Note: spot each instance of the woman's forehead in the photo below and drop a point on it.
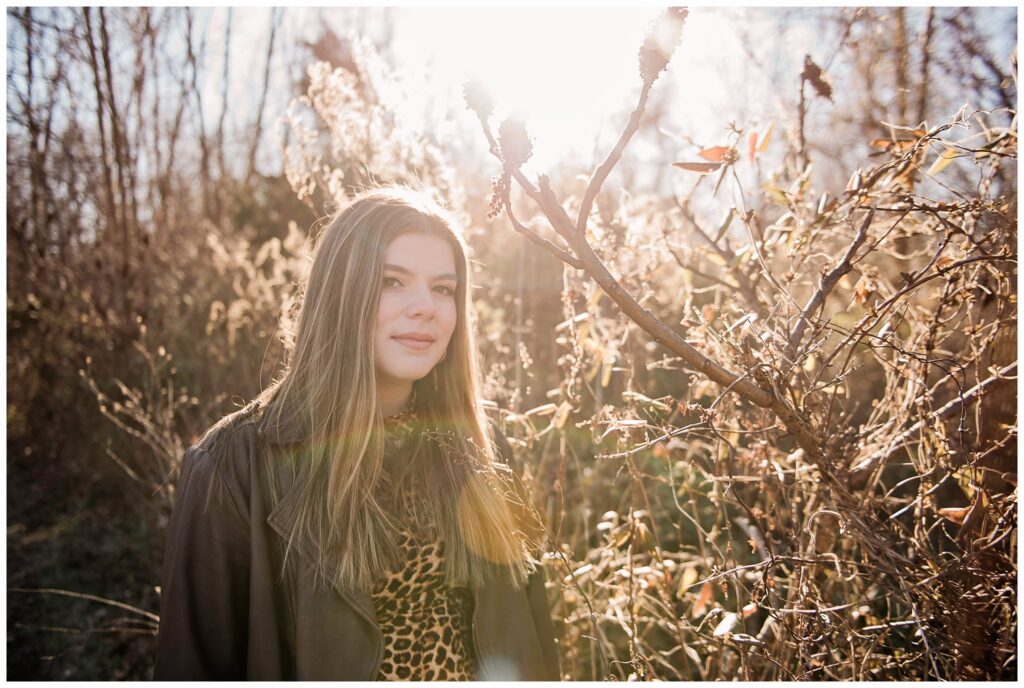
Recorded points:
(416, 253)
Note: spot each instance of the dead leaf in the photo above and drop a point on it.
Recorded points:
(543, 410)
(715, 153)
(813, 74)
(865, 287)
(892, 146)
(855, 181)
(974, 517)
(688, 578)
(701, 167)
(707, 591)
(727, 625)
(944, 160)
(563, 414)
(766, 137)
(621, 536)
(956, 514)
(775, 193)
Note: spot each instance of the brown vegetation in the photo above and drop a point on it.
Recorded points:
(779, 445)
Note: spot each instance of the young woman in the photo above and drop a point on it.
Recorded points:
(356, 521)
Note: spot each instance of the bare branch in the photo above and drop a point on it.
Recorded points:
(862, 469)
(825, 288)
(602, 172)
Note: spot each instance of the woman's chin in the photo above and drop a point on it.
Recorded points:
(411, 373)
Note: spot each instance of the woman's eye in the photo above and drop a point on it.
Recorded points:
(391, 282)
(446, 290)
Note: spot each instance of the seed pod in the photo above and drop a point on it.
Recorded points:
(478, 98)
(662, 38)
(514, 142)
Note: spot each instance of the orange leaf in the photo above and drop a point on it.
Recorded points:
(702, 167)
(700, 606)
(714, 154)
(955, 514)
(766, 137)
(752, 146)
(893, 145)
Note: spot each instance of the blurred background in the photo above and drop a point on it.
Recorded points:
(167, 171)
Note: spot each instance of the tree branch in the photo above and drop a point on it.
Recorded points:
(826, 287)
(549, 246)
(860, 472)
(602, 172)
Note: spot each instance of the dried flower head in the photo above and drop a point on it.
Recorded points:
(499, 189)
(812, 73)
(514, 142)
(478, 98)
(662, 38)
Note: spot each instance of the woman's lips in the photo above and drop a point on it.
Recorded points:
(414, 344)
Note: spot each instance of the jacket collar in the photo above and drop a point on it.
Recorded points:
(275, 435)
(280, 519)
(299, 435)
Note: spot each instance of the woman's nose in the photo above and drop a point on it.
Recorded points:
(421, 303)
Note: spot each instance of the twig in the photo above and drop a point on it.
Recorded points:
(825, 288)
(860, 471)
(602, 172)
(91, 598)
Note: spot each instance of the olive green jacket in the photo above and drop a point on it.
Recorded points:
(226, 613)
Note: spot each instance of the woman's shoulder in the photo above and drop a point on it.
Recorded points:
(222, 455)
(237, 427)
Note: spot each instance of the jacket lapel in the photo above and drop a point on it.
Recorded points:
(281, 471)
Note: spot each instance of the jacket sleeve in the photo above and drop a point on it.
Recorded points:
(205, 583)
(535, 586)
(541, 612)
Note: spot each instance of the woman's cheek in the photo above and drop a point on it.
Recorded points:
(451, 317)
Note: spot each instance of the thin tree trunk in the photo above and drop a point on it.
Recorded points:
(926, 43)
(44, 157)
(251, 166)
(121, 157)
(204, 146)
(155, 179)
(136, 145)
(108, 179)
(35, 213)
(224, 96)
(902, 82)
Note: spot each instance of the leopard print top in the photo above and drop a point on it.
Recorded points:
(427, 624)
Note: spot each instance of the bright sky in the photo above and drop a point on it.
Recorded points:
(571, 72)
(563, 69)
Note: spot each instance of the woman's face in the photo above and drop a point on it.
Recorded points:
(417, 311)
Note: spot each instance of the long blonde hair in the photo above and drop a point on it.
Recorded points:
(328, 397)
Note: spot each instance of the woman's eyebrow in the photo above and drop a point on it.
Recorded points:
(404, 271)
